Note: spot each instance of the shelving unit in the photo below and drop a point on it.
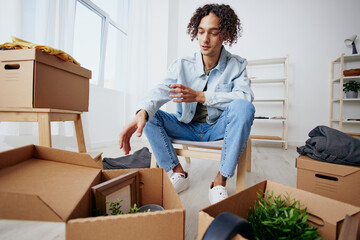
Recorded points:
(270, 83)
(344, 112)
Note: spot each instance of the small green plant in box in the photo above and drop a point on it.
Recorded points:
(274, 217)
(115, 209)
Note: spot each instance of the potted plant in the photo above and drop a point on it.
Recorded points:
(278, 217)
(351, 89)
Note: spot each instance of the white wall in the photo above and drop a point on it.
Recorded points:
(311, 32)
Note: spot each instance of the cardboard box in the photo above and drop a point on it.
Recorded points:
(30, 78)
(45, 184)
(336, 181)
(326, 213)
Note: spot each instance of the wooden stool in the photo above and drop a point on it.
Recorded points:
(207, 152)
(44, 116)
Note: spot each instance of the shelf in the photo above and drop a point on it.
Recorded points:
(352, 122)
(344, 112)
(347, 79)
(349, 58)
(349, 122)
(269, 103)
(273, 80)
(347, 99)
(267, 61)
(270, 100)
(266, 138)
(270, 119)
(351, 99)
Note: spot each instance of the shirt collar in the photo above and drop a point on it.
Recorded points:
(220, 65)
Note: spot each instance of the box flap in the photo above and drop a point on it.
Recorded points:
(57, 155)
(317, 205)
(304, 162)
(61, 186)
(15, 156)
(238, 203)
(326, 213)
(16, 206)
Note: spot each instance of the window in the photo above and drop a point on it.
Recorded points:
(87, 40)
(100, 40)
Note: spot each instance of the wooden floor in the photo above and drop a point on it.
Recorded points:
(269, 162)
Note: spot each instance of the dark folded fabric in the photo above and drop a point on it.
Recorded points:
(139, 159)
(331, 145)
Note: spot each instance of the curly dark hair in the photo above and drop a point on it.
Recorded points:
(230, 25)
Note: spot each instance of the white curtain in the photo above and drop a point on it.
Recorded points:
(40, 22)
(139, 44)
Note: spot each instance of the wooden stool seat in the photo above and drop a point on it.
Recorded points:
(44, 116)
(244, 162)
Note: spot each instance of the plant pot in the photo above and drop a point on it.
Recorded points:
(152, 207)
(351, 94)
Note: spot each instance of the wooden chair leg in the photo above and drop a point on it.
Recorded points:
(153, 163)
(187, 159)
(248, 155)
(244, 160)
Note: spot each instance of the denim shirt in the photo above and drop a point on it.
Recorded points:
(226, 82)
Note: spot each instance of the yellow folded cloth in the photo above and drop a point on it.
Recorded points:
(18, 43)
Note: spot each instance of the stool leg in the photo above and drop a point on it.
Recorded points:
(153, 163)
(241, 170)
(248, 155)
(187, 159)
(80, 134)
(44, 129)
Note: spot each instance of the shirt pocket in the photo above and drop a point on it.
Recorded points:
(224, 87)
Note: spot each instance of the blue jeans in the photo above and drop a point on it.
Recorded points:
(233, 126)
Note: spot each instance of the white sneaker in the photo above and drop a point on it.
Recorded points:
(217, 193)
(180, 181)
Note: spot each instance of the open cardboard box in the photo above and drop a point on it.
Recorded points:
(45, 184)
(325, 213)
(336, 181)
(30, 78)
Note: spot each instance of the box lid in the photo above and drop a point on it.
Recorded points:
(17, 155)
(40, 56)
(318, 206)
(304, 162)
(40, 183)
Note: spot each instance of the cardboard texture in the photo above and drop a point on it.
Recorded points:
(325, 213)
(156, 188)
(336, 181)
(45, 184)
(30, 78)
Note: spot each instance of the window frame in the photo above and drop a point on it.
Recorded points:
(106, 20)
